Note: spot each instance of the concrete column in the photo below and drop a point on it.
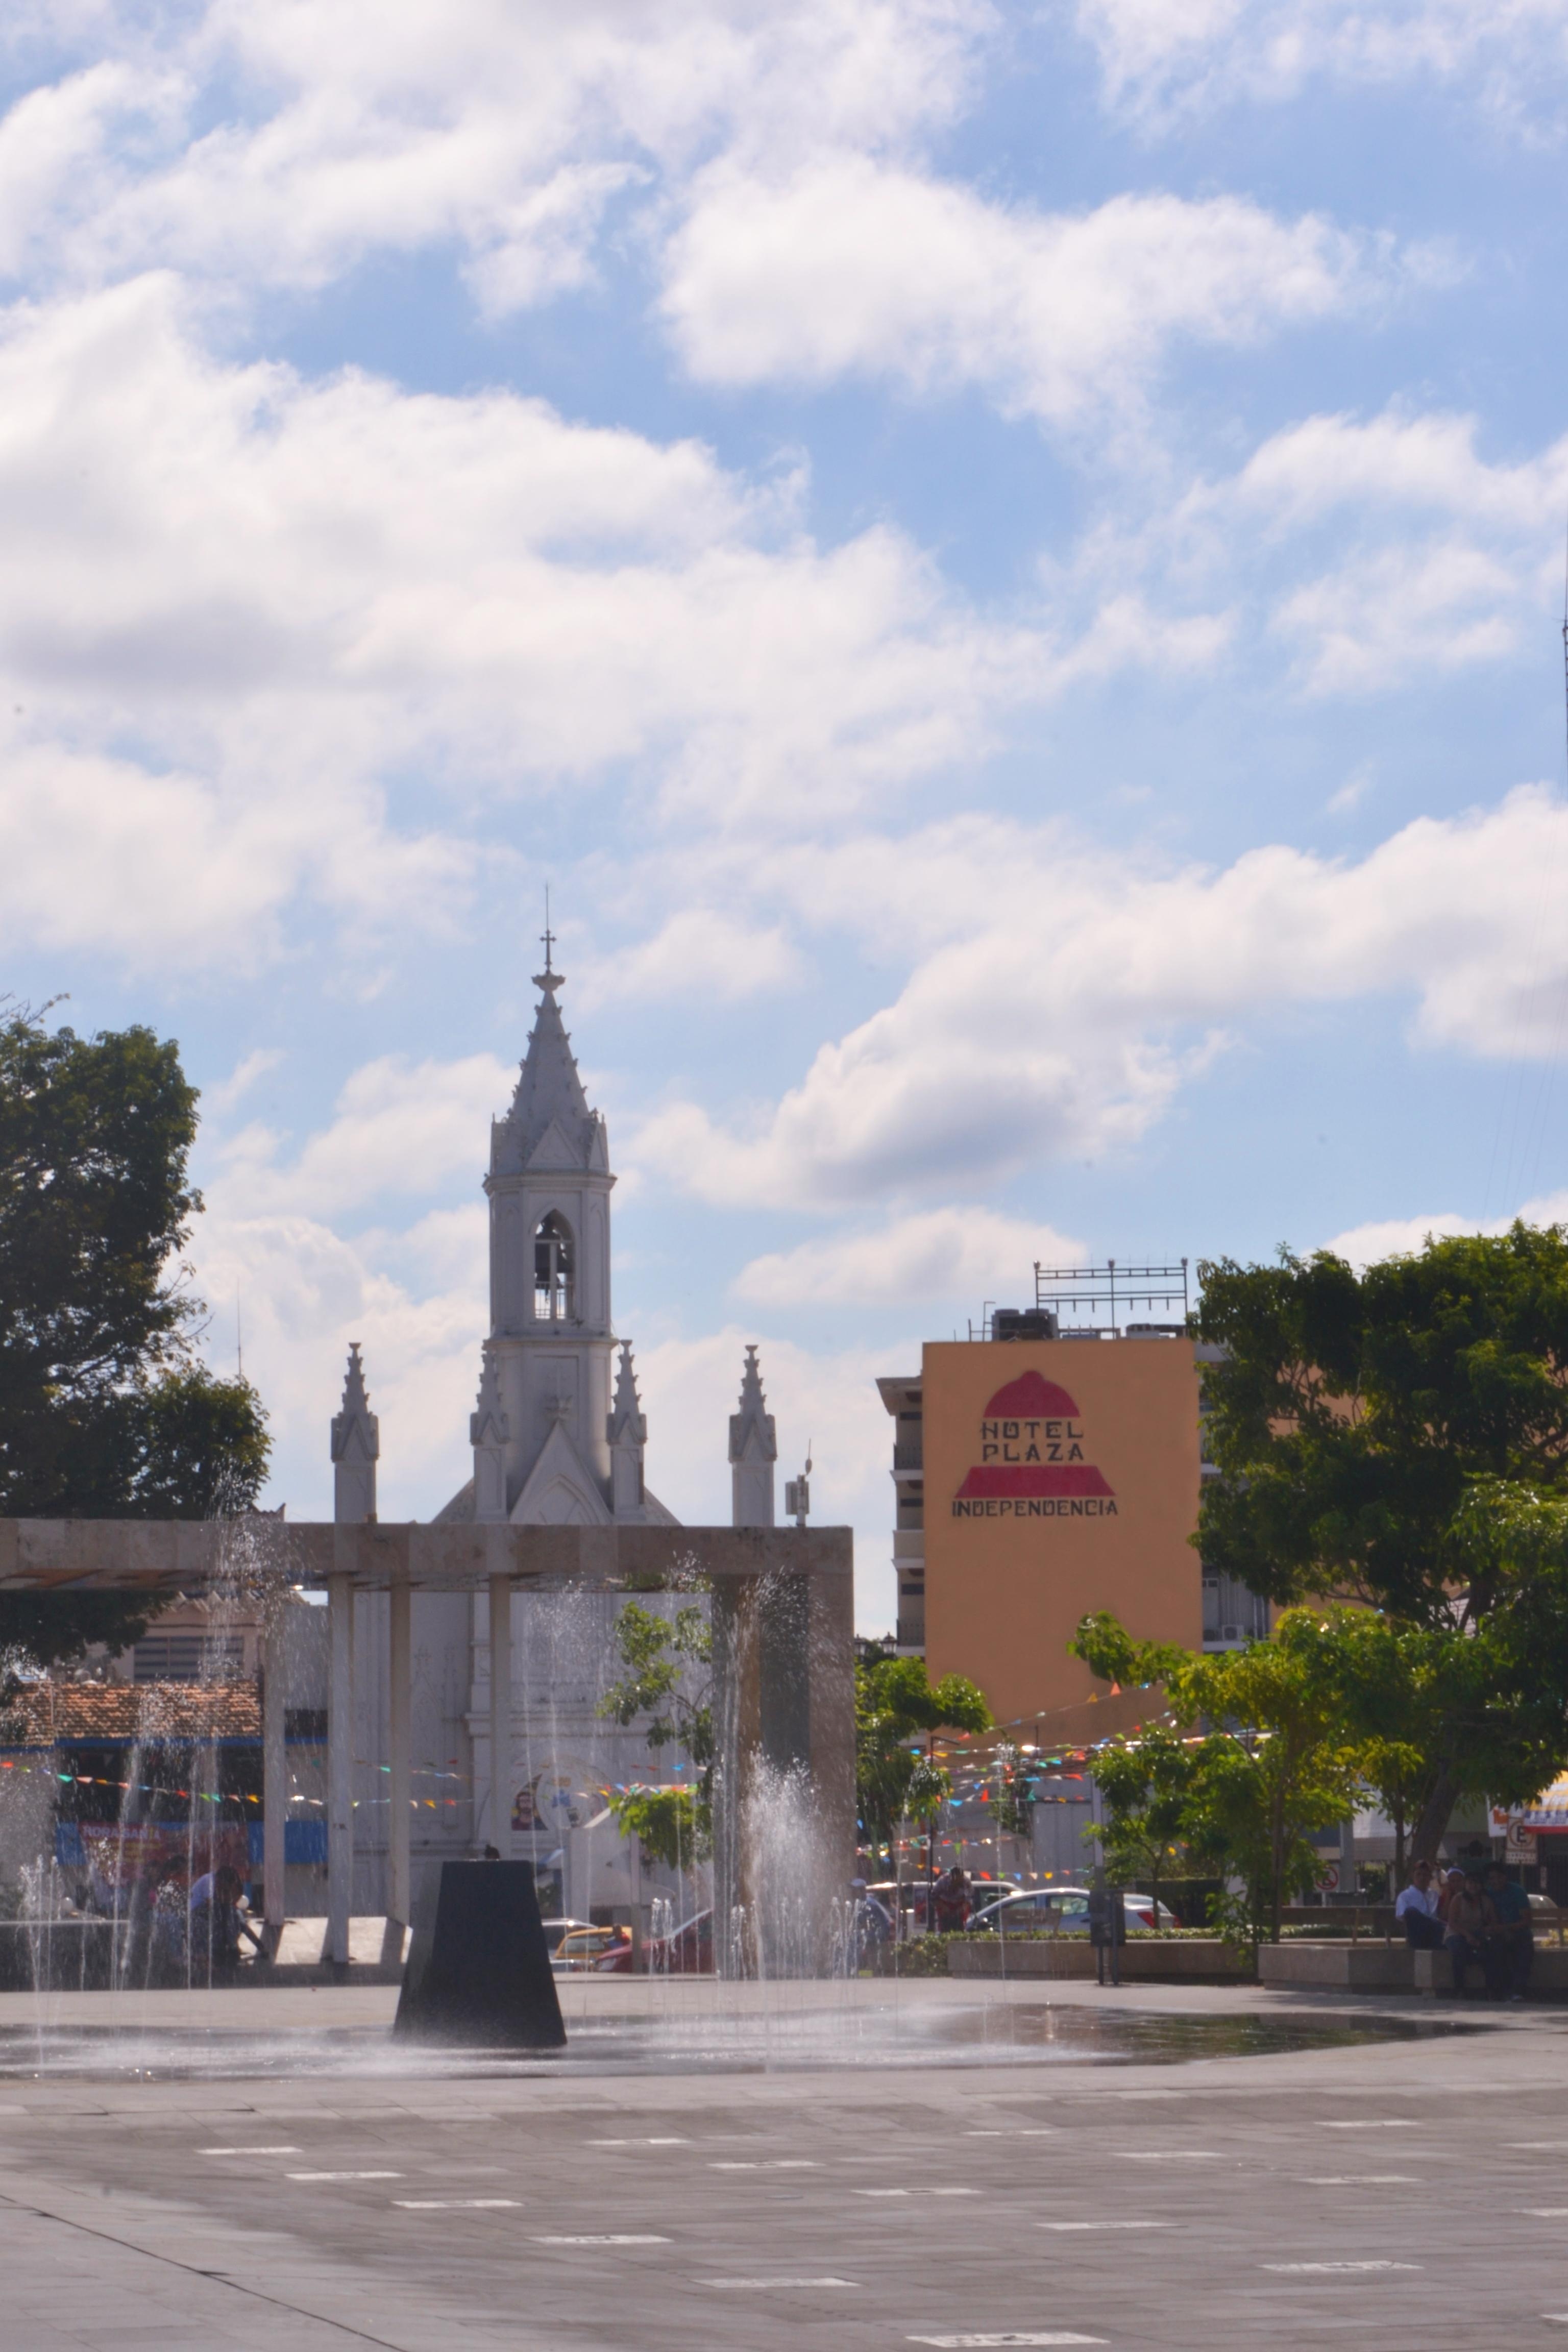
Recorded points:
(339, 1766)
(500, 1716)
(399, 1710)
(274, 1772)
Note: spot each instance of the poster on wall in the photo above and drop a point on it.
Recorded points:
(144, 1853)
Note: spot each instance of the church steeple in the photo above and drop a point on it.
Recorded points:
(627, 1430)
(487, 1432)
(550, 1347)
(356, 1446)
(550, 1095)
(754, 1449)
(552, 1444)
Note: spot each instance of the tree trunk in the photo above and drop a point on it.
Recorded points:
(1398, 1847)
(1276, 1858)
(1433, 1819)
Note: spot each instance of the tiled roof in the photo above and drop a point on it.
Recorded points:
(50, 1711)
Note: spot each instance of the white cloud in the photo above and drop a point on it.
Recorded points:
(168, 871)
(226, 1092)
(400, 1127)
(281, 591)
(303, 1292)
(1383, 1238)
(829, 1400)
(1160, 57)
(1366, 1245)
(1374, 550)
(277, 142)
(946, 1254)
(700, 951)
(1384, 616)
(1015, 1039)
(855, 267)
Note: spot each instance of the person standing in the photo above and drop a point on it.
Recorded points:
(1417, 1910)
(952, 1901)
(1106, 1926)
(1515, 1933)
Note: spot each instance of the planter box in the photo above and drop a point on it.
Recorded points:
(1318, 1961)
(1144, 1960)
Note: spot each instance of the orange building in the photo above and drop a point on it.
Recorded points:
(1041, 1477)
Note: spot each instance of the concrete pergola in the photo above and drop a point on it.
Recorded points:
(783, 1604)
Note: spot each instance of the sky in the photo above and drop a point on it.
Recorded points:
(1005, 564)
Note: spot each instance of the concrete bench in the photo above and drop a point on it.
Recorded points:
(377, 1948)
(1144, 1959)
(1340, 1962)
(1549, 1976)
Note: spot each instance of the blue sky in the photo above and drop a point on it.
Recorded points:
(1006, 563)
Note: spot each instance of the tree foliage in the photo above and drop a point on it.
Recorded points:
(1277, 1763)
(1400, 1438)
(105, 1411)
(668, 1678)
(895, 1702)
(1351, 1415)
(1146, 1785)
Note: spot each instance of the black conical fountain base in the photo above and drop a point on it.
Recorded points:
(479, 1970)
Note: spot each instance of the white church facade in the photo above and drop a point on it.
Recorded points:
(558, 1438)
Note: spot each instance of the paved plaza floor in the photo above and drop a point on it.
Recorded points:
(279, 2178)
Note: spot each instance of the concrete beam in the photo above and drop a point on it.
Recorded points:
(186, 1555)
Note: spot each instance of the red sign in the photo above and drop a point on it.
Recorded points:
(1032, 1462)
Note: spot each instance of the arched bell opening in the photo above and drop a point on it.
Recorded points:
(554, 1270)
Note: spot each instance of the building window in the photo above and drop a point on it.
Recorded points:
(1232, 1613)
(554, 1270)
(186, 1658)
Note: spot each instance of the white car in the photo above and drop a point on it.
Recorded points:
(1062, 1911)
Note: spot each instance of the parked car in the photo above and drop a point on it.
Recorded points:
(554, 1929)
(688, 1952)
(582, 1948)
(1061, 1911)
(913, 1894)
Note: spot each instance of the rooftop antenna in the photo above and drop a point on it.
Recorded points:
(239, 1333)
(550, 936)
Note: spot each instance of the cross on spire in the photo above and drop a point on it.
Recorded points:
(550, 980)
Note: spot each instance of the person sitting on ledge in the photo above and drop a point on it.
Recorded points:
(1470, 1925)
(1514, 1940)
(216, 1925)
(1418, 1907)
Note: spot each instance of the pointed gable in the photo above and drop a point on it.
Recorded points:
(561, 1490)
(554, 1150)
(550, 1124)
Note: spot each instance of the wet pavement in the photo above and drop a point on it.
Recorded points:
(1251, 2170)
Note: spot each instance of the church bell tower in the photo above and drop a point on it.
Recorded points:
(551, 1427)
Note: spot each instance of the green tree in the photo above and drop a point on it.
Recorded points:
(1400, 1438)
(1146, 1785)
(668, 1677)
(896, 1702)
(1276, 1764)
(1013, 1801)
(104, 1410)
